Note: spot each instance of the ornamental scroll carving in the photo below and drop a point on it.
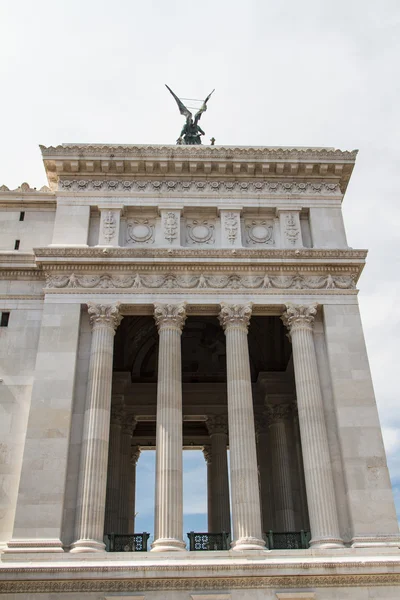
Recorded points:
(170, 226)
(231, 225)
(140, 231)
(292, 229)
(202, 187)
(109, 226)
(235, 315)
(104, 315)
(202, 281)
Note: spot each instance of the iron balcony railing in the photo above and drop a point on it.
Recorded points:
(208, 541)
(134, 542)
(290, 540)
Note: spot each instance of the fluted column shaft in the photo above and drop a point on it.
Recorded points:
(168, 528)
(125, 473)
(264, 472)
(246, 513)
(135, 453)
(317, 464)
(208, 459)
(281, 468)
(104, 320)
(113, 472)
(221, 517)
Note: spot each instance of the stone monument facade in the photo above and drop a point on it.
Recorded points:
(178, 297)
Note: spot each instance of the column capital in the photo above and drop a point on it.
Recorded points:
(170, 316)
(117, 415)
(297, 316)
(207, 454)
(277, 413)
(135, 453)
(235, 315)
(261, 422)
(217, 424)
(129, 424)
(104, 315)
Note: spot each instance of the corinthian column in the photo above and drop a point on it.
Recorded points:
(246, 513)
(104, 320)
(208, 459)
(168, 528)
(317, 464)
(281, 467)
(128, 427)
(113, 479)
(135, 453)
(221, 518)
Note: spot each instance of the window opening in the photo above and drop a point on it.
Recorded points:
(5, 316)
(16, 245)
(22, 215)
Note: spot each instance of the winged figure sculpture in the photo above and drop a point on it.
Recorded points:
(191, 132)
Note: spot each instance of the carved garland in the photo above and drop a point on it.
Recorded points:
(202, 281)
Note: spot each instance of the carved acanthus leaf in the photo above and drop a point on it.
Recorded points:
(170, 315)
(104, 315)
(298, 316)
(217, 424)
(235, 315)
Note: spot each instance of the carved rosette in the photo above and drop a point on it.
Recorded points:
(104, 315)
(235, 315)
(278, 413)
(217, 424)
(135, 453)
(298, 317)
(171, 316)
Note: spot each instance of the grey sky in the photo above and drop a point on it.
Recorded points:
(310, 73)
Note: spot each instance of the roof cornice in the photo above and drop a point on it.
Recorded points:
(262, 162)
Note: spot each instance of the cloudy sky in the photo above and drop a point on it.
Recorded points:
(289, 73)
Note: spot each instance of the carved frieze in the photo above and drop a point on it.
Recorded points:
(259, 232)
(201, 186)
(202, 281)
(140, 231)
(200, 231)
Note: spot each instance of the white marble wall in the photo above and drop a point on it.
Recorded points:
(40, 502)
(18, 346)
(35, 230)
(368, 489)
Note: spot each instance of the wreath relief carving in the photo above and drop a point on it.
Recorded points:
(200, 231)
(140, 231)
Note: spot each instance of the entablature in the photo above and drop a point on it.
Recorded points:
(113, 162)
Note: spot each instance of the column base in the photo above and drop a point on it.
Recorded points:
(247, 543)
(374, 541)
(87, 546)
(17, 546)
(326, 542)
(168, 545)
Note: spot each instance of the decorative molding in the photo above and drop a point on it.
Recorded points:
(259, 232)
(199, 280)
(147, 151)
(201, 186)
(170, 315)
(140, 231)
(207, 454)
(135, 453)
(221, 253)
(25, 187)
(200, 231)
(200, 583)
